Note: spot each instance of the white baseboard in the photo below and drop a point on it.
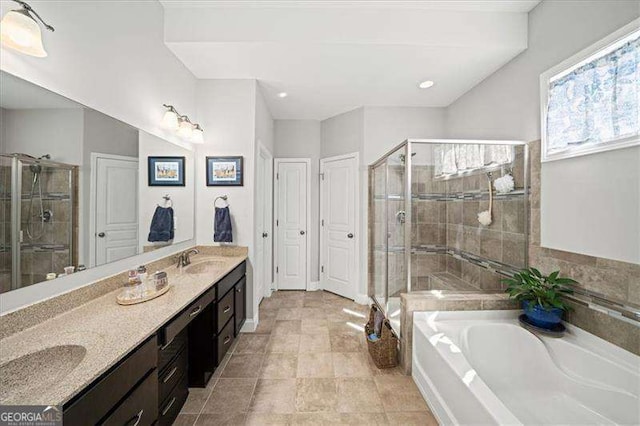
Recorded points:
(362, 299)
(314, 286)
(268, 293)
(249, 326)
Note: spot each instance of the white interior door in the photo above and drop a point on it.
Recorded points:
(292, 178)
(116, 208)
(264, 203)
(339, 195)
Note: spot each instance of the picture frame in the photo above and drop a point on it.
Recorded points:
(225, 171)
(166, 171)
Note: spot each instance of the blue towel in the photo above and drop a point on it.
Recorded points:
(161, 225)
(222, 226)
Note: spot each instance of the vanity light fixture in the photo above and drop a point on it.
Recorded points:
(283, 95)
(426, 84)
(173, 120)
(20, 31)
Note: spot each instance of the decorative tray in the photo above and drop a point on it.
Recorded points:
(131, 297)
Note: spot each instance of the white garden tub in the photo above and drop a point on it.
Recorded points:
(482, 367)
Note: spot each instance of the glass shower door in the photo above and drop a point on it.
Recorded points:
(379, 244)
(46, 230)
(5, 219)
(396, 220)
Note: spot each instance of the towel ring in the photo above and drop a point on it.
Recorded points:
(223, 198)
(168, 202)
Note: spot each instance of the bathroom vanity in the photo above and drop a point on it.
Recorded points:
(131, 364)
(152, 382)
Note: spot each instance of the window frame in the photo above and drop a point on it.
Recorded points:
(567, 66)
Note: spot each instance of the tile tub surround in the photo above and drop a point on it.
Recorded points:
(106, 330)
(16, 321)
(306, 364)
(615, 280)
(441, 301)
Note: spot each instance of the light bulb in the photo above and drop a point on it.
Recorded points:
(170, 119)
(198, 135)
(186, 128)
(19, 31)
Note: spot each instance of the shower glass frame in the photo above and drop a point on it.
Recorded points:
(18, 162)
(406, 146)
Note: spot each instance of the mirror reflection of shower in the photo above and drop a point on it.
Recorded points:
(36, 231)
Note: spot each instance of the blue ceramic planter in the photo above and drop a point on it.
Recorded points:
(541, 317)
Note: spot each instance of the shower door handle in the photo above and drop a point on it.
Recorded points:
(101, 235)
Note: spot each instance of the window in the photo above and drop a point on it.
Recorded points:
(591, 102)
(458, 159)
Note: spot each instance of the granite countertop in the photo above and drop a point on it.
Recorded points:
(106, 330)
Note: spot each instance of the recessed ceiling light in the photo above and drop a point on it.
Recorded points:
(283, 94)
(426, 84)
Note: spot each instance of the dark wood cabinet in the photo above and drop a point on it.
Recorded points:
(115, 388)
(240, 301)
(213, 332)
(151, 384)
(140, 408)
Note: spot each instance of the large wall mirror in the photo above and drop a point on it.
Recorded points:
(80, 189)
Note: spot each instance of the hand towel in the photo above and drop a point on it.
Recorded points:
(161, 225)
(222, 226)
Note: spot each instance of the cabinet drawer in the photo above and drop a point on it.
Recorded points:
(171, 349)
(183, 319)
(170, 408)
(172, 374)
(140, 407)
(100, 397)
(225, 284)
(240, 303)
(225, 310)
(225, 340)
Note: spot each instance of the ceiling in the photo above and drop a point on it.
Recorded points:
(334, 56)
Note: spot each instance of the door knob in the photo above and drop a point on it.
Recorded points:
(349, 235)
(301, 232)
(265, 235)
(101, 235)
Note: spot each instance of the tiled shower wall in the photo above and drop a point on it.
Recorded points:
(453, 251)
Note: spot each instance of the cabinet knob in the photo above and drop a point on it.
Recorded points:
(265, 235)
(102, 235)
(302, 232)
(349, 235)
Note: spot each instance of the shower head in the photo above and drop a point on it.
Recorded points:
(35, 168)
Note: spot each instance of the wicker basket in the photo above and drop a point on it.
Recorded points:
(383, 351)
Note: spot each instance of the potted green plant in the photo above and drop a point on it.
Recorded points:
(540, 295)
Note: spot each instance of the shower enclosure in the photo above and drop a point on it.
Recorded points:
(39, 219)
(438, 223)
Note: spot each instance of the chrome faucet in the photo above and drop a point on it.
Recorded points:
(184, 259)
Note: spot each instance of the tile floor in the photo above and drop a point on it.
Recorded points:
(306, 364)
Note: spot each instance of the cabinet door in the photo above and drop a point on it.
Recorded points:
(240, 304)
(139, 408)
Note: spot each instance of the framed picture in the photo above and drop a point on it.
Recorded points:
(224, 171)
(166, 171)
